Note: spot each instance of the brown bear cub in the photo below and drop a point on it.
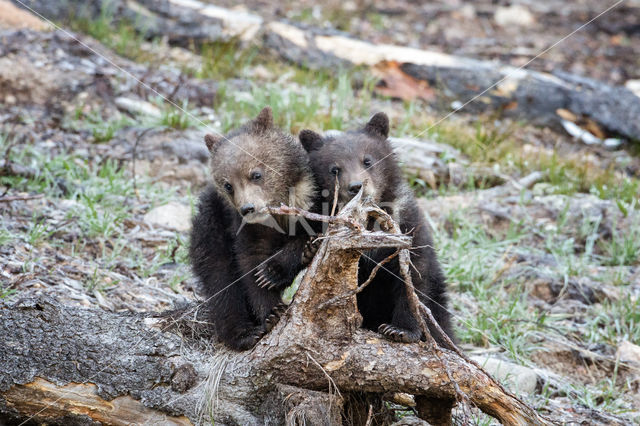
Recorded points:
(242, 257)
(352, 157)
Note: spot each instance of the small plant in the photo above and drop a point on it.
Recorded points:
(320, 102)
(223, 60)
(5, 237)
(623, 248)
(121, 36)
(177, 118)
(102, 130)
(5, 293)
(613, 321)
(39, 232)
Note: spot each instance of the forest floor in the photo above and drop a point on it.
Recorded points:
(99, 177)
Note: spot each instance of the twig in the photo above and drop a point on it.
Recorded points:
(361, 286)
(332, 383)
(336, 188)
(297, 211)
(20, 198)
(369, 416)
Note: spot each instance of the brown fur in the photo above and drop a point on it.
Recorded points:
(242, 258)
(365, 154)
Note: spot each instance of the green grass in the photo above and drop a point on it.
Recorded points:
(121, 36)
(319, 103)
(613, 321)
(495, 145)
(6, 237)
(606, 395)
(474, 262)
(223, 60)
(102, 130)
(623, 248)
(495, 311)
(102, 198)
(178, 118)
(6, 293)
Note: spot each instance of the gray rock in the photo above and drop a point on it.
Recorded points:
(173, 215)
(519, 378)
(628, 352)
(514, 16)
(189, 147)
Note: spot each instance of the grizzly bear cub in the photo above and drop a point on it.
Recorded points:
(352, 157)
(242, 257)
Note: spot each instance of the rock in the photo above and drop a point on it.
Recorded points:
(187, 147)
(634, 86)
(551, 288)
(410, 421)
(173, 215)
(136, 106)
(39, 67)
(521, 379)
(515, 15)
(628, 352)
(612, 143)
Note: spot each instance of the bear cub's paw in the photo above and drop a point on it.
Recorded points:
(249, 339)
(273, 318)
(310, 250)
(398, 334)
(270, 277)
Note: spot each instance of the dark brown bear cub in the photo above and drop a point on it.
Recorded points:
(242, 257)
(352, 157)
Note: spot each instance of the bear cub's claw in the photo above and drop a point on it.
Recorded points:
(250, 338)
(398, 334)
(273, 318)
(310, 250)
(268, 278)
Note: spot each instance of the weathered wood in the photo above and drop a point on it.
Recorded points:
(69, 362)
(516, 92)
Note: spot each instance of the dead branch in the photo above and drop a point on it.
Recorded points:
(296, 211)
(8, 199)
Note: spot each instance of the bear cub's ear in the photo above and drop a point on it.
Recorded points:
(311, 141)
(263, 121)
(212, 141)
(378, 125)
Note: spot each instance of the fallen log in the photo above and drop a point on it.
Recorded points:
(124, 368)
(63, 364)
(485, 85)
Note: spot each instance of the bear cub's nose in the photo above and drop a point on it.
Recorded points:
(354, 187)
(246, 209)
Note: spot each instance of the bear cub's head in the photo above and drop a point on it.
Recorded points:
(351, 158)
(257, 166)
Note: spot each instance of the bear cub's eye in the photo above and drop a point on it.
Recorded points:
(367, 162)
(228, 187)
(335, 170)
(256, 175)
